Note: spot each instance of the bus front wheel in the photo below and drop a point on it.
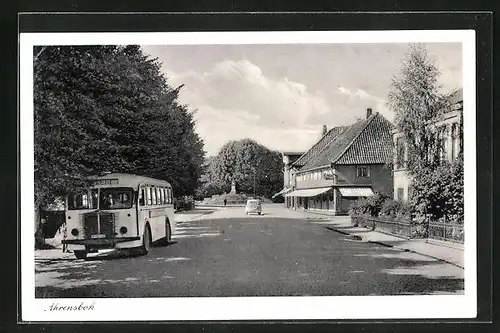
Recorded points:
(146, 241)
(80, 254)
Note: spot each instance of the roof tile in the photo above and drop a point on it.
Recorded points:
(319, 146)
(367, 141)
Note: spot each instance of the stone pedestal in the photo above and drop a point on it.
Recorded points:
(233, 187)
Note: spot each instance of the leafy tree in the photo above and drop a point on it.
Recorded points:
(207, 182)
(108, 108)
(437, 186)
(252, 166)
(415, 98)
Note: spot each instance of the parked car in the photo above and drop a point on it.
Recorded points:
(253, 206)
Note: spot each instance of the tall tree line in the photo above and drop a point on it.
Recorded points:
(108, 108)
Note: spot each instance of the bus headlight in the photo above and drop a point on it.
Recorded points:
(74, 232)
(123, 230)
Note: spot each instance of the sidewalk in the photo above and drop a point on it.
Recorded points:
(52, 254)
(450, 253)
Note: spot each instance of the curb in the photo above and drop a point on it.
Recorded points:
(63, 256)
(398, 247)
(417, 252)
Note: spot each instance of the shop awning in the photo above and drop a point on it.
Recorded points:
(356, 191)
(310, 192)
(283, 191)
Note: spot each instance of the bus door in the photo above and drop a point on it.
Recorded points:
(141, 209)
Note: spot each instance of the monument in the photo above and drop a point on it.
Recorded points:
(233, 187)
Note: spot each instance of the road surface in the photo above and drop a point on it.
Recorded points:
(225, 253)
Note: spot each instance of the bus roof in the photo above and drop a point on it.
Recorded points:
(130, 180)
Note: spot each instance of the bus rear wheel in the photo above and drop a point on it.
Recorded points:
(146, 241)
(168, 233)
(80, 254)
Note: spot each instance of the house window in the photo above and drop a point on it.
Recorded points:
(400, 194)
(400, 153)
(362, 172)
(454, 141)
(442, 144)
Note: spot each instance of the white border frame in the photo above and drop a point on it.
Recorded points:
(248, 308)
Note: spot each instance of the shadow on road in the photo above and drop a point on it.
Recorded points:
(271, 257)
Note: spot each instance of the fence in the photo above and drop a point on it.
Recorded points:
(447, 230)
(444, 229)
(399, 228)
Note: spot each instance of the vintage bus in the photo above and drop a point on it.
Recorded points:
(120, 211)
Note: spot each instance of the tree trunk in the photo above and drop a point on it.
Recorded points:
(39, 239)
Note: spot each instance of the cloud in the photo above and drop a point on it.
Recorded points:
(359, 97)
(235, 100)
(216, 128)
(241, 85)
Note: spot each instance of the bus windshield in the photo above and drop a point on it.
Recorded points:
(116, 198)
(82, 201)
(109, 198)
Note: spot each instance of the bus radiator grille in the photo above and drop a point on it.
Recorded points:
(107, 221)
(106, 224)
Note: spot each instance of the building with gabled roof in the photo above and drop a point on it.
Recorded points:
(347, 163)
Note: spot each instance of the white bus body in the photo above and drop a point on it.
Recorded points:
(120, 211)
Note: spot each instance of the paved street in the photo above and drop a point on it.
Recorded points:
(225, 253)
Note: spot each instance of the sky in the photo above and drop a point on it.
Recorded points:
(282, 95)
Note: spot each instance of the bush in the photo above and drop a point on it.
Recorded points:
(396, 210)
(207, 190)
(359, 207)
(439, 193)
(368, 206)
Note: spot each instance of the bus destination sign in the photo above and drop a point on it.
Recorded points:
(106, 182)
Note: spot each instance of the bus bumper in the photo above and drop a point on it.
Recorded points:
(103, 243)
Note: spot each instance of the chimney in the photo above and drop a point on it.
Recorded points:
(368, 113)
(324, 130)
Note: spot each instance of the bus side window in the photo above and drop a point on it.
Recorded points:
(169, 195)
(165, 199)
(162, 196)
(142, 194)
(158, 199)
(153, 190)
(150, 198)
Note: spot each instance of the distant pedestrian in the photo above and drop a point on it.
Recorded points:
(225, 202)
(65, 235)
